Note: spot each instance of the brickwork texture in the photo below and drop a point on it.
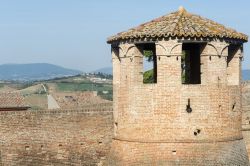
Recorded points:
(151, 124)
(80, 137)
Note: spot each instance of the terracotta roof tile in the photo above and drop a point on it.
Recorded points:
(181, 24)
(11, 100)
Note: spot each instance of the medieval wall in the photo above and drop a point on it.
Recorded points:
(173, 154)
(246, 114)
(149, 112)
(148, 116)
(80, 137)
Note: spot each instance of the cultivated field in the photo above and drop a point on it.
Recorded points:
(70, 93)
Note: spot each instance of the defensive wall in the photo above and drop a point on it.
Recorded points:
(59, 137)
(73, 137)
(246, 114)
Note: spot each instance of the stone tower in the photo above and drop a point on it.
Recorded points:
(190, 111)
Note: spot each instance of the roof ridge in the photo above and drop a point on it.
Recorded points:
(180, 23)
(182, 10)
(180, 13)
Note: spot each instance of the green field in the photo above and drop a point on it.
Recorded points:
(1, 85)
(100, 88)
(64, 84)
(71, 86)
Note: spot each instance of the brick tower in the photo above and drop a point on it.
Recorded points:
(188, 111)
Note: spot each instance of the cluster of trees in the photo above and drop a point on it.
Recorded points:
(103, 75)
(148, 76)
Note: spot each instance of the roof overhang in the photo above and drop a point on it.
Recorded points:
(14, 108)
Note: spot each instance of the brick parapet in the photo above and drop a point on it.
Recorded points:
(59, 137)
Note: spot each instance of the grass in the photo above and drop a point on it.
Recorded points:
(83, 87)
(1, 85)
(148, 77)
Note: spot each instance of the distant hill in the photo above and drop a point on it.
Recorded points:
(105, 70)
(45, 71)
(34, 71)
(246, 74)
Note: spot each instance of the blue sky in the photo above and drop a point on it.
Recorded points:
(72, 33)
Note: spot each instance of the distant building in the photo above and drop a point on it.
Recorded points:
(12, 101)
(190, 111)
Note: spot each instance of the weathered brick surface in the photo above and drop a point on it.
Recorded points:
(151, 119)
(158, 112)
(55, 137)
(246, 114)
(229, 153)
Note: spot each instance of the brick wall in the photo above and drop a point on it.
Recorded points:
(156, 113)
(80, 137)
(246, 114)
(229, 153)
(160, 111)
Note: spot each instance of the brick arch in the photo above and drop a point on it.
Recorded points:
(174, 48)
(116, 51)
(121, 54)
(162, 46)
(223, 49)
(128, 50)
(214, 48)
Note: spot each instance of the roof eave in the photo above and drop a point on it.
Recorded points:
(117, 40)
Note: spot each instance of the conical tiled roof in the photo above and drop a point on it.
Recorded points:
(180, 24)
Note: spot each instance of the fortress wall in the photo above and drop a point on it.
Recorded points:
(230, 153)
(151, 119)
(150, 112)
(161, 110)
(79, 137)
(246, 114)
(246, 127)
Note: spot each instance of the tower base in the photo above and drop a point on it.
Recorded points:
(228, 153)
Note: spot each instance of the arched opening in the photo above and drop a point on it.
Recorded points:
(190, 63)
(148, 51)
